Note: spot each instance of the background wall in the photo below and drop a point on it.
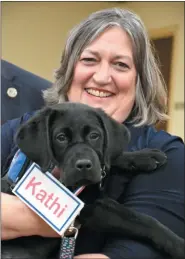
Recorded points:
(34, 33)
(33, 36)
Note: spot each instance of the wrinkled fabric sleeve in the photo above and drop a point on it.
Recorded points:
(7, 135)
(159, 194)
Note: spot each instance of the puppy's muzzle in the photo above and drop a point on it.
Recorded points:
(81, 166)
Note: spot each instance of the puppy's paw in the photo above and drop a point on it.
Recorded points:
(147, 160)
(156, 158)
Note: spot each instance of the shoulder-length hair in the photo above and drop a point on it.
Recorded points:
(151, 97)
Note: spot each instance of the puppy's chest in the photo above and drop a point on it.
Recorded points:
(90, 194)
(114, 186)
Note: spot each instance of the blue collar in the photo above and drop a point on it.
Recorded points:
(17, 168)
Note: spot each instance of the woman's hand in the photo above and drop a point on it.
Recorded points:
(17, 220)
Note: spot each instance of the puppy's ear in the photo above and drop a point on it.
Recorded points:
(33, 138)
(117, 137)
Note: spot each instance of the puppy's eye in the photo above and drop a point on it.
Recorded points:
(62, 138)
(94, 136)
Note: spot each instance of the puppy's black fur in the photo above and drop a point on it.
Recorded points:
(84, 142)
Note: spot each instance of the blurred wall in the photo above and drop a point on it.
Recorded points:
(33, 35)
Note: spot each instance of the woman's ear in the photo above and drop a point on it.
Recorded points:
(33, 138)
(117, 137)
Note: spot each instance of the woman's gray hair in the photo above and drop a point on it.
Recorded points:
(151, 96)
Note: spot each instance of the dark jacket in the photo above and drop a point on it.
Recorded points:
(21, 91)
(159, 194)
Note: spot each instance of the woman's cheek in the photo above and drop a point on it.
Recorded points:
(74, 94)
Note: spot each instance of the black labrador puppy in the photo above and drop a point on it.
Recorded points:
(83, 142)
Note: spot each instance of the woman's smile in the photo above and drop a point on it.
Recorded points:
(98, 93)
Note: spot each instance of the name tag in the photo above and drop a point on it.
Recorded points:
(50, 199)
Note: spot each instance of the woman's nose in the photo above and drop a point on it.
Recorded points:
(102, 75)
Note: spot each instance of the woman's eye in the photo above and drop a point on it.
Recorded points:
(88, 60)
(94, 136)
(121, 65)
(62, 138)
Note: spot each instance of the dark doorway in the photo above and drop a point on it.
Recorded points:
(163, 47)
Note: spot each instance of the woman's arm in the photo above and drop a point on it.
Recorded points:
(17, 220)
(160, 195)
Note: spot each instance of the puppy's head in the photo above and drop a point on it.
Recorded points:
(76, 138)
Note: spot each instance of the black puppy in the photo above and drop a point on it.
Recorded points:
(84, 142)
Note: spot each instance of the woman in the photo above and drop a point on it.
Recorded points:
(108, 63)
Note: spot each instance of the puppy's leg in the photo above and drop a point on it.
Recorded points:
(144, 160)
(109, 216)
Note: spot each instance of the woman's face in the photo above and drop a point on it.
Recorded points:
(105, 75)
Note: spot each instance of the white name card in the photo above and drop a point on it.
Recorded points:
(50, 199)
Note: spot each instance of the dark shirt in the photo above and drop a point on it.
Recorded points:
(159, 194)
(21, 91)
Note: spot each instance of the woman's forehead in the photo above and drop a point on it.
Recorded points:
(115, 39)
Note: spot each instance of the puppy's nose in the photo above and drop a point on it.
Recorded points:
(83, 164)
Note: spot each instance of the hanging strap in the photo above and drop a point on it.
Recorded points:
(67, 248)
(68, 245)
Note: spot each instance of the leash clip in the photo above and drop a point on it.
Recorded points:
(72, 231)
(75, 230)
